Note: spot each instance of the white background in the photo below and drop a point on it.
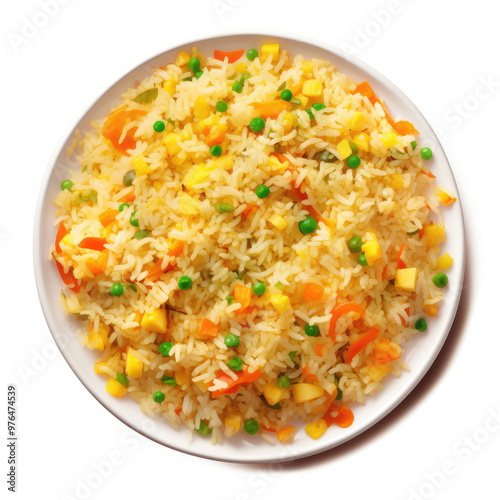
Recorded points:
(439, 53)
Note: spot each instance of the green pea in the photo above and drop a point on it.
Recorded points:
(308, 225)
(159, 126)
(426, 153)
(185, 282)
(168, 379)
(283, 382)
(440, 280)
(286, 95)
(237, 87)
(230, 300)
(142, 233)
(158, 397)
(188, 79)
(257, 124)
(251, 427)
(123, 379)
(353, 147)
(133, 220)
(413, 145)
(194, 64)
(262, 191)
(236, 364)
(66, 185)
(129, 177)
(355, 244)
(319, 106)
(165, 348)
(252, 54)
(223, 208)
(221, 106)
(353, 161)
(244, 78)
(421, 324)
(362, 259)
(310, 113)
(123, 206)
(231, 340)
(216, 150)
(116, 289)
(198, 74)
(204, 429)
(259, 289)
(311, 330)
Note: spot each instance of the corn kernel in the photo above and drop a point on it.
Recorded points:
(182, 377)
(362, 141)
(389, 139)
(278, 221)
(98, 366)
(198, 175)
(274, 394)
(169, 86)
(377, 372)
(398, 181)
(270, 49)
(312, 88)
(357, 122)
(204, 126)
(226, 162)
(241, 68)
(115, 388)
(316, 429)
(68, 240)
(140, 165)
(444, 262)
(435, 234)
(372, 250)
(98, 339)
(133, 367)
(307, 67)
(276, 165)
(344, 149)
(201, 108)
(232, 423)
(188, 205)
(446, 197)
(155, 321)
(406, 279)
(182, 59)
(287, 121)
(171, 144)
(281, 302)
(431, 310)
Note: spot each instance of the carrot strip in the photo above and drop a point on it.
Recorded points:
(157, 270)
(93, 243)
(401, 264)
(271, 109)
(306, 371)
(360, 343)
(113, 128)
(243, 295)
(108, 216)
(69, 280)
(244, 378)
(318, 349)
(339, 310)
(231, 56)
(208, 328)
(248, 209)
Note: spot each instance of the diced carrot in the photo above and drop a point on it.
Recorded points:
(313, 292)
(231, 56)
(307, 373)
(360, 343)
(157, 270)
(69, 280)
(208, 328)
(113, 128)
(364, 89)
(128, 198)
(286, 433)
(384, 353)
(243, 295)
(108, 216)
(178, 411)
(93, 243)
(61, 233)
(343, 418)
(400, 262)
(318, 349)
(215, 136)
(244, 378)
(384, 270)
(248, 209)
(267, 429)
(405, 128)
(339, 310)
(271, 109)
(99, 265)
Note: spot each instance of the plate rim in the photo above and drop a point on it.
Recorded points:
(188, 449)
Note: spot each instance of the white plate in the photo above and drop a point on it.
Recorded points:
(420, 352)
